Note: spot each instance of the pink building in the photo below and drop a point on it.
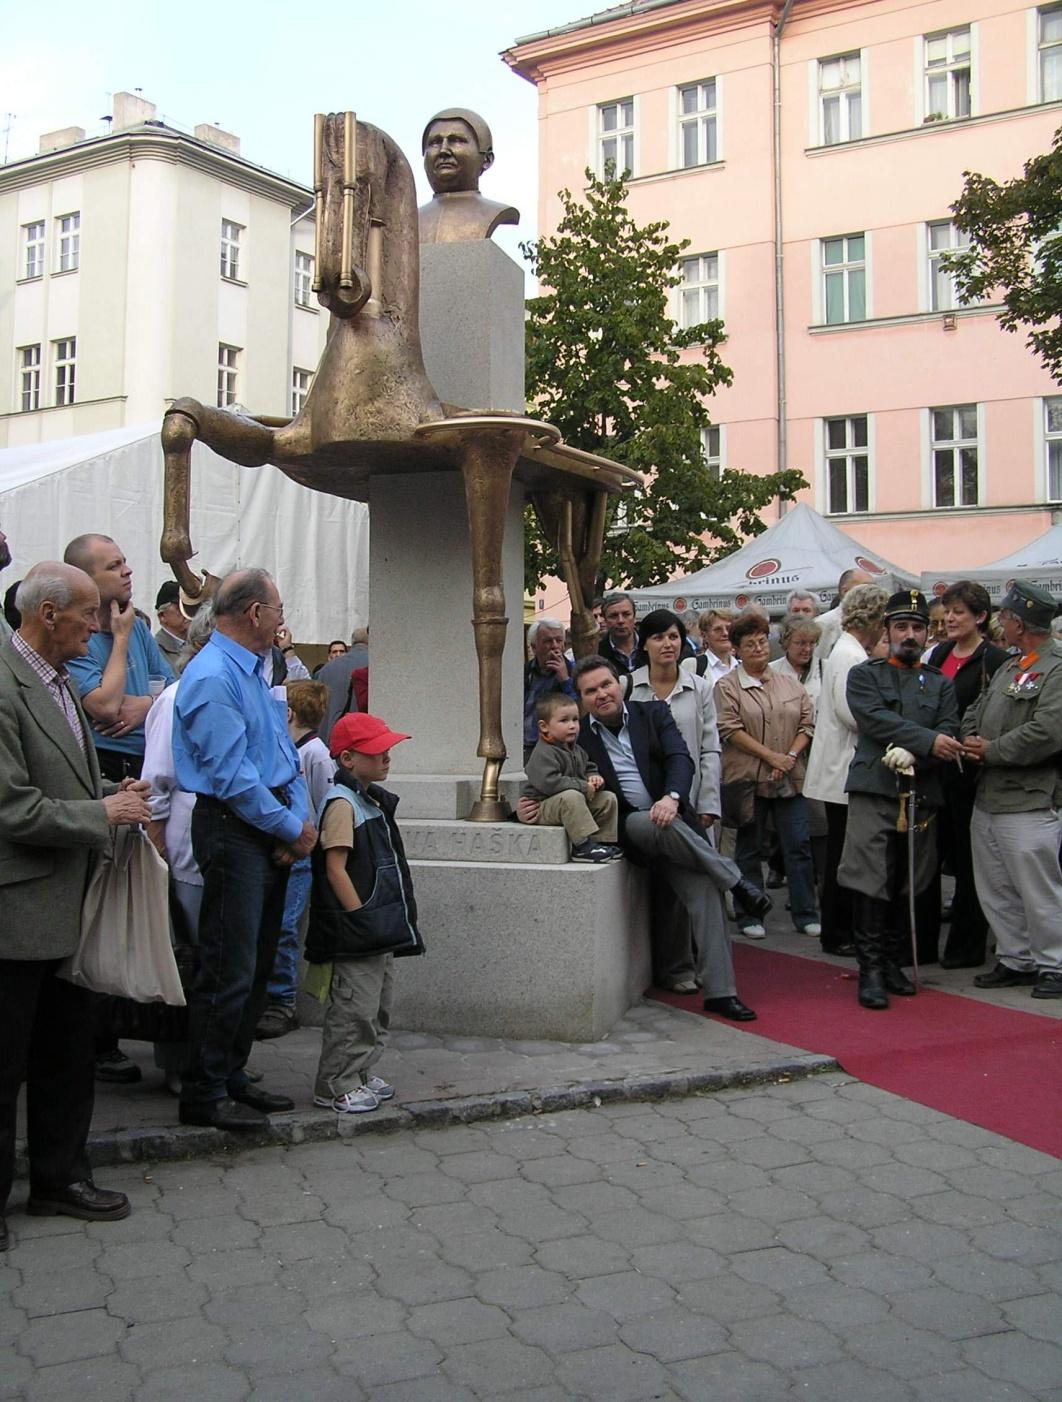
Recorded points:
(810, 153)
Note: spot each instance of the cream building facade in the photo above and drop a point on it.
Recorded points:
(810, 152)
(147, 264)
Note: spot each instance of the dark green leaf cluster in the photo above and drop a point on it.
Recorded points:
(605, 365)
(1015, 231)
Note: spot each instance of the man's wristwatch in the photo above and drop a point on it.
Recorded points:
(672, 794)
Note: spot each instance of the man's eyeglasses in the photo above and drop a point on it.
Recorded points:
(263, 603)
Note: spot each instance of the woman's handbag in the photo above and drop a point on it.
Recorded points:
(125, 947)
(738, 802)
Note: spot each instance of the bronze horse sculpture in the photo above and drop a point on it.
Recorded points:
(371, 410)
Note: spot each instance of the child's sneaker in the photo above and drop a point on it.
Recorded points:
(380, 1088)
(590, 851)
(616, 853)
(356, 1102)
(324, 1102)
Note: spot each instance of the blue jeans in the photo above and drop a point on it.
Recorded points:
(791, 824)
(284, 981)
(239, 925)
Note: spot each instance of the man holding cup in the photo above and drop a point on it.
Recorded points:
(547, 669)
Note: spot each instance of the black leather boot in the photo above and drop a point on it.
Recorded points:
(896, 954)
(867, 935)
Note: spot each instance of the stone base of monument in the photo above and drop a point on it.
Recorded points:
(445, 796)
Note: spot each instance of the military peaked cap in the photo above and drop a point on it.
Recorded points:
(1031, 604)
(907, 603)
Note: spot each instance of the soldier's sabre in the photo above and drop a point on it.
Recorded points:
(911, 817)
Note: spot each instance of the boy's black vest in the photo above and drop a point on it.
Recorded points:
(386, 922)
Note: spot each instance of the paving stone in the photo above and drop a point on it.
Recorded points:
(256, 1307)
(581, 1256)
(958, 1209)
(559, 1169)
(482, 1366)
(524, 1287)
(523, 1142)
(93, 1380)
(1040, 1316)
(391, 1246)
(968, 1385)
(780, 1269)
(452, 1322)
(593, 1200)
(173, 1343)
(880, 1273)
(1011, 1357)
(320, 1384)
(282, 1208)
(984, 1275)
(215, 1233)
(222, 1270)
(55, 1252)
(603, 1148)
(282, 1349)
(12, 1320)
(355, 1214)
(763, 1108)
(626, 1294)
(800, 1129)
(727, 1298)
(424, 1282)
(924, 1241)
(1039, 1210)
(822, 1237)
(635, 1175)
(678, 1261)
(901, 1348)
(937, 1155)
(143, 1225)
(208, 1382)
(818, 1180)
(564, 1328)
(320, 1280)
(156, 1300)
(356, 1315)
(66, 1338)
(671, 1335)
(613, 1371)
(837, 1305)
(844, 1380)
(774, 1205)
(484, 1250)
(60, 1292)
(948, 1312)
(544, 1222)
(853, 1153)
(206, 1200)
(140, 1259)
(730, 1231)
(431, 1389)
(637, 1227)
(903, 1180)
(865, 1208)
(785, 1341)
(729, 1376)
(727, 1176)
(1012, 1241)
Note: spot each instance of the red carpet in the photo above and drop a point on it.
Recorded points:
(990, 1066)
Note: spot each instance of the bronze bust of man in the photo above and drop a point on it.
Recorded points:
(458, 148)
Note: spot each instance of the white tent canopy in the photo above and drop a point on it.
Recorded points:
(1039, 562)
(801, 551)
(315, 546)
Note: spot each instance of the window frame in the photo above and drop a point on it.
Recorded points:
(956, 241)
(844, 92)
(620, 132)
(64, 371)
(1052, 438)
(299, 392)
(231, 249)
(849, 453)
(68, 242)
(713, 461)
(228, 374)
(707, 122)
(702, 286)
(302, 279)
(29, 377)
(951, 66)
(956, 445)
(33, 250)
(846, 270)
(1041, 49)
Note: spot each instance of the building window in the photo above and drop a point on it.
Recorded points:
(228, 366)
(29, 369)
(948, 74)
(230, 249)
(954, 453)
(33, 243)
(300, 387)
(844, 279)
(65, 361)
(698, 293)
(847, 465)
(1049, 35)
(698, 128)
(68, 230)
(712, 451)
(303, 279)
(840, 99)
(943, 237)
(1053, 446)
(615, 137)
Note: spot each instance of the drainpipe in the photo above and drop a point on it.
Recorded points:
(779, 301)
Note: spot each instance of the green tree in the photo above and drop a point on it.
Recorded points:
(605, 365)
(1015, 231)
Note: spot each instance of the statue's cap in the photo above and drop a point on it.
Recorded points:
(484, 140)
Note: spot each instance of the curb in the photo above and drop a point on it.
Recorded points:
(159, 1145)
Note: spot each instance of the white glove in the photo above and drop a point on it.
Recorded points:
(899, 760)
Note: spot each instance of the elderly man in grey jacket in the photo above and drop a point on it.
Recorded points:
(54, 817)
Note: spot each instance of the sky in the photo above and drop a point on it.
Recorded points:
(262, 69)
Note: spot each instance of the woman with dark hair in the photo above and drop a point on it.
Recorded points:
(658, 676)
(970, 660)
(766, 724)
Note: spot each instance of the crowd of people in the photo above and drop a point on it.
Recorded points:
(724, 756)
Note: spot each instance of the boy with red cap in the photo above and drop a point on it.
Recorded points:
(362, 913)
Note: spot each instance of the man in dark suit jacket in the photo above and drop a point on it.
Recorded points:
(54, 817)
(643, 759)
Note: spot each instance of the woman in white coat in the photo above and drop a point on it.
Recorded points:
(862, 616)
(659, 676)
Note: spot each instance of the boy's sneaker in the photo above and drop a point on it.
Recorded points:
(380, 1088)
(324, 1102)
(356, 1102)
(616, 853)
(590, 851)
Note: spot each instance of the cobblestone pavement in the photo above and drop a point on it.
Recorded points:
(819, 1239)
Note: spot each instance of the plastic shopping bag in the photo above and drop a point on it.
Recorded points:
(125, 946)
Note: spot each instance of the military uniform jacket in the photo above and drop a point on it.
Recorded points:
(1020, 715)
(905, 706)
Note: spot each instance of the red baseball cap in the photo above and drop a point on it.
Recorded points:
(366, 734)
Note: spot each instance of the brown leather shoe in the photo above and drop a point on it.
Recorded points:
(82, 1200)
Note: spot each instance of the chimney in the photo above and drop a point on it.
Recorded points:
(131, 111)
(217, 137)
(56, 140)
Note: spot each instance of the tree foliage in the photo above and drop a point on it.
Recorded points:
(605, 364)
(1015, 231)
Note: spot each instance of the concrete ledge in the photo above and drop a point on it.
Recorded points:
(445, 796)
(314, 1126)
(437, 840)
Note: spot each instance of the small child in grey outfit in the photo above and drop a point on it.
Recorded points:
(565, 784)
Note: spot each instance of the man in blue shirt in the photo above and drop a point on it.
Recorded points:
(231, 748)
(114, 680)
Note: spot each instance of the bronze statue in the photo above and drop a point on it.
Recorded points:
(371, 410)
(457, 148)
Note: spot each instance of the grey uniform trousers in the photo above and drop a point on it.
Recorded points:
(1019, 885)
(698, 876)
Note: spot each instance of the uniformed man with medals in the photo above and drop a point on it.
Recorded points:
(907, 719)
